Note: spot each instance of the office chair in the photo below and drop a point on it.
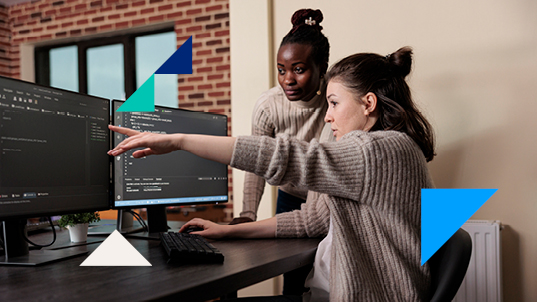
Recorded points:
(449, 265)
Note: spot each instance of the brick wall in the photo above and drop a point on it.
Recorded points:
(5, 34)
(207, 89)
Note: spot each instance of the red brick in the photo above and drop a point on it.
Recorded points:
(174, 15)
(96, 3)
(193, 11)
(223, 102)
(50, 12)
(75, 32)
(138, 3)
(122, 24)
(65, 10)
(221, 33)
(114, 16)
(183, 21)
(66, 24)
(203, 35)
(122, 6)
(194, 28)
(186, 88)
(154, 1)
(202, 19)
(105, 27)
(213, 42)
(221, 16)
(90, 12)
(195, 79)
(97, 19)
(106, 9)
(202, 1)
(82, 22)
(203, 52)
(215, 77)
(80, 6)
(214, 7)
(197, 62)
(111, 1)
(213, 26)
(181, 4)
(61, 34)
(225, 84)
(130, 14)
(196, 96)
(206, 103)
(204, 69)
(90, 29)
(46, 37)
(186, 105)
(35, 30)
(205, 87)
(215, 60)
(216, 94)
(165, 7)
(147, 10)
(156, 18)
(222, 49)
(50, 27)
(138, 22)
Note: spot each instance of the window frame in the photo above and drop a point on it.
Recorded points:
(42, 58)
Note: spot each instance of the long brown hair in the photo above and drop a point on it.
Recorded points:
(385, 77)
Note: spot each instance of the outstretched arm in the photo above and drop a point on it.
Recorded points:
(216, 148)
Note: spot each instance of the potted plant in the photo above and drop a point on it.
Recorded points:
(78, 224)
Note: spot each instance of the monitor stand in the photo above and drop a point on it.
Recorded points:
(18, 253)
(157, 222)
(124, 225)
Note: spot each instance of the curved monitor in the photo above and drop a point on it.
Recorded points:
(174, 179)
(53, 157)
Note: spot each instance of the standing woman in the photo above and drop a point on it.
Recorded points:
(370, 181)
(296, 107)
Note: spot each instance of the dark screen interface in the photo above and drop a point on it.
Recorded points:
(53, 150)
(170, 179)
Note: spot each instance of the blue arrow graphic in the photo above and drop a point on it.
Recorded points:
(443, 212)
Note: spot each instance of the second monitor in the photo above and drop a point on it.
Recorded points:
(174, 179)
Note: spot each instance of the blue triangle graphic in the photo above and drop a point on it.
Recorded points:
(443, 212)
(143, 99)
(180, 62)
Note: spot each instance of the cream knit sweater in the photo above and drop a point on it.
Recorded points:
(370, 184)
(275, 114)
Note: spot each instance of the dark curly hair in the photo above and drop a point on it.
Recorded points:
(385, 77)
(307, 30)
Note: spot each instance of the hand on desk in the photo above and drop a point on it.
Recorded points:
(210, 229)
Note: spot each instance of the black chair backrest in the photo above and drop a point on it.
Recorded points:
(449, 265)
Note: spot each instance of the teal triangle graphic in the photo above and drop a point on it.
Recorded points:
(443, 212)
(143, 99)
(180, 62)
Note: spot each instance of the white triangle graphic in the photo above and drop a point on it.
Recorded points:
(115, 251)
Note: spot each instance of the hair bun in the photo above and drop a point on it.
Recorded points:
(401, 61)
(307, 17)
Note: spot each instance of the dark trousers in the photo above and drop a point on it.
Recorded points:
(293, 281)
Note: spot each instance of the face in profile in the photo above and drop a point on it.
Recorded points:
(298, 75)
(345, 112)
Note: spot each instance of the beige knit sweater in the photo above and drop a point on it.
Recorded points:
(275, 114)
(370, 185)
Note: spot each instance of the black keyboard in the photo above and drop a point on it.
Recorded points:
(189, 248)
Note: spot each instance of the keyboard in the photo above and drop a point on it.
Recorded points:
(189, 248)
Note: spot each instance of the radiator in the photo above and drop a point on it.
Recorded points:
(483, 281)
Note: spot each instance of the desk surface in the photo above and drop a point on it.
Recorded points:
(246, 262)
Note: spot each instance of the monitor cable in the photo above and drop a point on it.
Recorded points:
(46, 245)
(139, 219)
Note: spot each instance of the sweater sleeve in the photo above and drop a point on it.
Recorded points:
(312, 220)
(254, 185)
(334, 168)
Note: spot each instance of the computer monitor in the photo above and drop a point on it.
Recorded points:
(174, 179)
(53, 161)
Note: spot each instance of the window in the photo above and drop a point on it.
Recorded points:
(112, 67)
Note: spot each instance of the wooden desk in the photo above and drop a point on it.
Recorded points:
(246, 262)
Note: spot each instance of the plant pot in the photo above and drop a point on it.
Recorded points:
(79, 232)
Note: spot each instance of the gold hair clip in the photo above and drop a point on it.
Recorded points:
(310, 21)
